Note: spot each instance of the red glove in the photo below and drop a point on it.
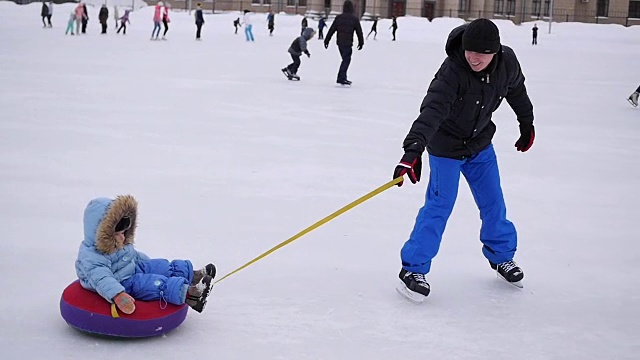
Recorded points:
(125, 303)
(410, 164)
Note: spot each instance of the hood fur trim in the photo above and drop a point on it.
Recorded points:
(121, 206)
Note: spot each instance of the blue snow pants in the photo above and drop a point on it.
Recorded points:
(497, 234)
(160, 279)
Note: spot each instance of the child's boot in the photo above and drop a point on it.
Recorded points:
(197, 294)
(209, 269)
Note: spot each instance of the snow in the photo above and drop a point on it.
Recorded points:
(228, 159)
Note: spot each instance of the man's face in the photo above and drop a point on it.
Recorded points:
(478, 61)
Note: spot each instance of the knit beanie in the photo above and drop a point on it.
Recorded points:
(481, 36)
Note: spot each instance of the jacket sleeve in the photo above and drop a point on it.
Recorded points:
(359, 34)
(142, 256)
(303, 45)
(517, 96)
(435, 106)
(332, 29)
(97, 269)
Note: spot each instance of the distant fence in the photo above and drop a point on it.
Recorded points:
(428, 10)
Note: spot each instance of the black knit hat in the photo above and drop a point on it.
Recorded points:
(481, 36)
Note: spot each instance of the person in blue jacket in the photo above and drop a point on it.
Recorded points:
(109, 264)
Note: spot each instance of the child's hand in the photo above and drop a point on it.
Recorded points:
(125, 303)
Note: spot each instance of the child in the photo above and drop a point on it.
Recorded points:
(236, 24)
(297, 48)
(123, 22)
(72, 19)
(109, 264)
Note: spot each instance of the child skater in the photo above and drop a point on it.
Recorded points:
(297, 48)
(110, 265)
(72, 19)
(236, 24)
(123, 22)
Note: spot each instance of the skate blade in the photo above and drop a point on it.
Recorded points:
(517, 284)
(407, 294)
(631, 102)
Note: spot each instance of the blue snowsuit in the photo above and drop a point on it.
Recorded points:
(108, 270)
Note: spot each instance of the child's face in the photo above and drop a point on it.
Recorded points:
(119, 238)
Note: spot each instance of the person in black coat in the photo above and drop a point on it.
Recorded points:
(44, 13)
(85, 19)
(103, 16)
(456, 129)
(394, 27)
(345, 24)
(374, 28)
(534, 33)
(199, 20)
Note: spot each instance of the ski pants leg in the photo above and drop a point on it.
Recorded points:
(293, 67)
(442, 191)
(345, 53)
(497, 234)
(198, 30)
(69, 27)
(44, 17)
(166, 27)
(160, 279)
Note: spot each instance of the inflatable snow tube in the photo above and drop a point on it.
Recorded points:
(87, 311)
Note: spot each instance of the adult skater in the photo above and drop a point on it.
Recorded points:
(345, 24)
(456, 129)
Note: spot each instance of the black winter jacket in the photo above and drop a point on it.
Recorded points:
(455, 115)
(345, 24)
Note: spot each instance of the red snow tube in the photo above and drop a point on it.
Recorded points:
(87, 311)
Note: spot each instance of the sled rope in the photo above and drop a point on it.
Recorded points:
(318, 224)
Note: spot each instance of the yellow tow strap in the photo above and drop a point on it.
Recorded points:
(114, 311)
(318, 224)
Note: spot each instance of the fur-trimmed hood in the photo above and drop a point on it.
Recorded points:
(101, 217)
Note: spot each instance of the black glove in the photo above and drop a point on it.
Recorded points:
(410, 164)
(527, 134)
(326, 45)
(308, 54)
(360, 46)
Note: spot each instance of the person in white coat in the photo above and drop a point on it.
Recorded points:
(248, 27)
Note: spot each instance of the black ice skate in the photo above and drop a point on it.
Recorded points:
(414, 286)
(197, 294)
(510, 272)
(290, 75)
(344, 82)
